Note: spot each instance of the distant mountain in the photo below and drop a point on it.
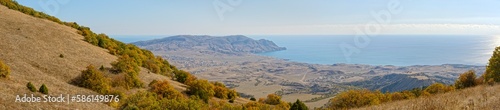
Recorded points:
(234, 44)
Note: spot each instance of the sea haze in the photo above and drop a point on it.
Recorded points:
(398, 50)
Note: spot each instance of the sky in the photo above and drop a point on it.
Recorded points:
(278, 17)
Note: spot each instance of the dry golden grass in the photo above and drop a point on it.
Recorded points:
(482, 97)
(31, 48)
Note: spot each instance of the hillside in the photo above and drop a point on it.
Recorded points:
(43, 51)
(235, 44)
(31, 47)
(482, 97)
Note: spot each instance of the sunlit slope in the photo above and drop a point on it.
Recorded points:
(32, 48)
(483, 97)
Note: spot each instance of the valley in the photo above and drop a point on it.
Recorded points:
(256, 76)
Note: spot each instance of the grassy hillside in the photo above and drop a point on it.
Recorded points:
(483, 97)
(39, 49)
(31, 48)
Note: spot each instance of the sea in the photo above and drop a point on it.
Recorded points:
(397, 50)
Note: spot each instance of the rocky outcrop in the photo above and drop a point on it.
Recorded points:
(235, 44)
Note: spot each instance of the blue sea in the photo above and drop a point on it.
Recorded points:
(398, 50)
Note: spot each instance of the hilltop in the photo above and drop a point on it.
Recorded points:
(235, 44)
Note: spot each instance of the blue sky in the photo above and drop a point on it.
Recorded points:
(276, 17)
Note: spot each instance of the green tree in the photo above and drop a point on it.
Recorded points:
(492, 73)
(93, 79)
(4, 70)
(43, 89)
(467, 79)
(31, 87)
(298, 105)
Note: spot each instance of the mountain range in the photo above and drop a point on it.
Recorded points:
(234, 44)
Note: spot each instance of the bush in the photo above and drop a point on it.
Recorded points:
(93, 79)
(202, 89)
(164, 90)
(31, 87)
(438, 88)
(183, 76)
(356, 98)
(253, 99)
(141, 101)
(4, 70)
(61, 56)
(43, 89)
(493, 69)
(127, 66)
(273, 99)
(220, 90)
(467, 79)
(232, 94)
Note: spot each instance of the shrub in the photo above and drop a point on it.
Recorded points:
(102, 68)
(93, 79)
(273, 99)
(130, 69)
(253, 99)
(232, 94)
(493, 68)
(357, 98)
(183, 76)
(4, 70)
(164, 90)
(141, 101)
(31, 87)
(202, 89)
(61, 56)
(125, 64)
(220, 90)
(467, 79)
(43, 89)
(438, 88)
(298, 105)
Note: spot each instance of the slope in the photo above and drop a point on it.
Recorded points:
(31, 47)
(483, 97)
(45, 52)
